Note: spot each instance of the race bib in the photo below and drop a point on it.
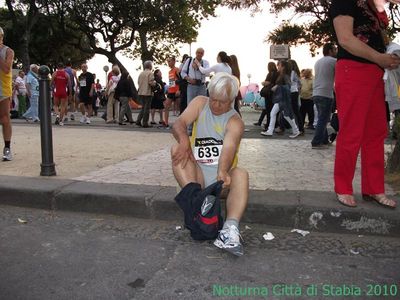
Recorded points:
(171, 82)
(207, 151)
(82, 82)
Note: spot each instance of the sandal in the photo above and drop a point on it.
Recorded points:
(381, 199)
(346, 200)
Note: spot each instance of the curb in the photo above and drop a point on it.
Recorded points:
(309, 210)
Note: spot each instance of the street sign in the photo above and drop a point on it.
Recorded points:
(279, 52)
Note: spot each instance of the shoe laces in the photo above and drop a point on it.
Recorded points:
(231, 235)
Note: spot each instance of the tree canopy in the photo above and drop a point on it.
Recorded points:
(140, 29)
(315, 28)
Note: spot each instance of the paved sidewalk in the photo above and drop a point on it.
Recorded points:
(127, 170)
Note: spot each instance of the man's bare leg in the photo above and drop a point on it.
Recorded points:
(56, 106)
(236, 202)
(64, 108)
(5, 119)
(190, 173)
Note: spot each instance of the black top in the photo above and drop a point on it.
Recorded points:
(272, 77)
(368, 25)
(159, 90)
(124, 88)
(86, 80)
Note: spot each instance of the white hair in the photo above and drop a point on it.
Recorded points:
(148, 64)
(223, 86)
(33, 66)
(1, 31)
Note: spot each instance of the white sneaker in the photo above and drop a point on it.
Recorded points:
(61, 124)
(229, 240)
(295, 135)
(7, 155)
(266, 133)
(87, 121)
(83, 119)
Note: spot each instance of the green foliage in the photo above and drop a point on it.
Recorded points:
(47, 42)
(166, 25)
(286, 34)
(140, 29)
(315, 29)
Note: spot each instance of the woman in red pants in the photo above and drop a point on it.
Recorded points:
(360, 27)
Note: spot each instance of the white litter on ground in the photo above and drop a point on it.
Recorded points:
(336, 214)
(268, 236)
(302, 232)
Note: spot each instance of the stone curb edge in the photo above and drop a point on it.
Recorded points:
(307, 210)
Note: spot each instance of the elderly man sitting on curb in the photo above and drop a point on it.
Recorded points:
(210, 154)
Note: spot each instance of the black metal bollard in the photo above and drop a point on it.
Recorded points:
(47, 165)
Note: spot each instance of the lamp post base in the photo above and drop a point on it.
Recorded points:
(48, 170)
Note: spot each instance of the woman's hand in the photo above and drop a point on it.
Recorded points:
(389, 61)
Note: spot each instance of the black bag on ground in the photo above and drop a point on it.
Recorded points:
(190, 199)
(335, 122)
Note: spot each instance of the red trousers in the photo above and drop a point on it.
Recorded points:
(362, 125)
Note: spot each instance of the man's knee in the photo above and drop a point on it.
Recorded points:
(174, 149)
(5, 119)
(240, 174)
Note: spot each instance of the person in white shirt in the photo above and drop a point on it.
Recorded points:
(222, 66)
(191, 73)
(294, 93)
(21, 92)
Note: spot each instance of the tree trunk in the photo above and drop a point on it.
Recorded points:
(393, 165)
(26, 61)
(146, 54)
(115, 61)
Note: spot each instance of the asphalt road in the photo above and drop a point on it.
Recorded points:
(63, 255)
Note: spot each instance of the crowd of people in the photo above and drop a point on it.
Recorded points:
(293, 97)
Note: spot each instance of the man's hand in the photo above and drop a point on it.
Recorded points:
(182, 155)
(195, 64)
(225, 177)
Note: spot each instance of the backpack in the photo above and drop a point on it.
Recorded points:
(202, 225)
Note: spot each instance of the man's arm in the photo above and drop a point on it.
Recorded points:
(6, 64)
(28, 88)
(179, 130)
(91, 92)
(233, 135)
(152, 81)
(69, 81)
(53, 77)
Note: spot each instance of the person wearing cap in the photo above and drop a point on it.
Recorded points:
(6, 60)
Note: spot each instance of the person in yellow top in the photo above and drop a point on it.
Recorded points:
(6, 60)
(307, 104)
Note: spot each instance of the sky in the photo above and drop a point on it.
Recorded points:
(235, 32)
